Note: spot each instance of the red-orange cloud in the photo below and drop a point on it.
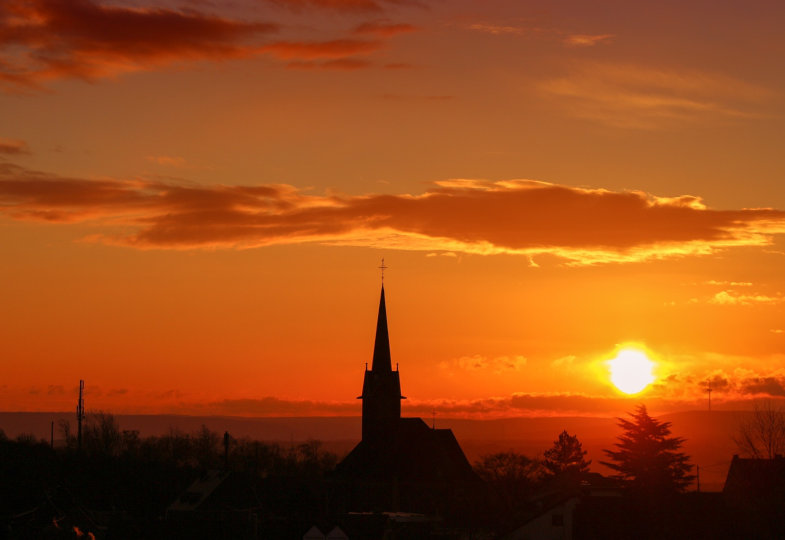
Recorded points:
(519, 217)
(46, 39)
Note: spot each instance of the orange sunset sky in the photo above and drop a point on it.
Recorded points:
(195, 197)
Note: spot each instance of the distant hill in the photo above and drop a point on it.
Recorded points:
(707, 434)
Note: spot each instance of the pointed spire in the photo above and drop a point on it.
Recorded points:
(381, 348)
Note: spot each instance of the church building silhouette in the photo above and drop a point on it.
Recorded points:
(400, 462)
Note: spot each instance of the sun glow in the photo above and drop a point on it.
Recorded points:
(631, 371)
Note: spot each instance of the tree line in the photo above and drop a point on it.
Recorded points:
(102, 437)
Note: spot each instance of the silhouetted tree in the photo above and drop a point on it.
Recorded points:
(207, 448)
(64, 427)
(566, 459)
(511, 479)
(648, 458)
(763, 434)
(512, 475)
(27, 439)
(101, 434)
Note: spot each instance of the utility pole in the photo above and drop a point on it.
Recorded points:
(227, 440)
(698, 468)
(709, 391)
(80, 415)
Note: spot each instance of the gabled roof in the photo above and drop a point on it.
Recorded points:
(749, 477)
(313, 534)
(416, 453)
(198, 492)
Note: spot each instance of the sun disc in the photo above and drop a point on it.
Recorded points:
(631, 371)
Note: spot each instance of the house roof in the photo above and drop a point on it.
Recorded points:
(751, 477)
(199, 491)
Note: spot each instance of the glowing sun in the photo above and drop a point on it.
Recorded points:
(631, 371)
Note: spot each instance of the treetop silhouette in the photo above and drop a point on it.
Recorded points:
(647, 457)
(566, 459)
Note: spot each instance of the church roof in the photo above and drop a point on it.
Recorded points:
(416, 453)
(381, 347)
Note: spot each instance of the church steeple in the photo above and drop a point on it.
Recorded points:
(381, 347)
(381, 388)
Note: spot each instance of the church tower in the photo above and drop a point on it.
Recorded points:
(381, 388)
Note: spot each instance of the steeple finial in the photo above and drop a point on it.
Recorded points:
(383, 268)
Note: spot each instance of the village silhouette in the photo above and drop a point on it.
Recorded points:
(403, 480)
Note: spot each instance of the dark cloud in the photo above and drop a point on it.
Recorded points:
(561, 404)
(744, 383)
(769, 386)
(717, 382)
(41, 40)
(46, 39)
(271, 406)
(527, 217)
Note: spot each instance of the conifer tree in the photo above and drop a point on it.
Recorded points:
(647, 457)
(566, 459)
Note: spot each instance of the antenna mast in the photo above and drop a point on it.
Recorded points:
(80, 414)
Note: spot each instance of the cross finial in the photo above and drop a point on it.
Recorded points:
(383, 268)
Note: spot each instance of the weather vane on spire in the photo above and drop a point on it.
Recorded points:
(383, 268)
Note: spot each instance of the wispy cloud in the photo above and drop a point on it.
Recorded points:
(496, 365)
(169, 161)
(526, 217)
(632, 96)
(383, 28)
(340, 54)
(732, 298)
(13, 147)
(340, 48)
(588, 40)
(497, 29)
